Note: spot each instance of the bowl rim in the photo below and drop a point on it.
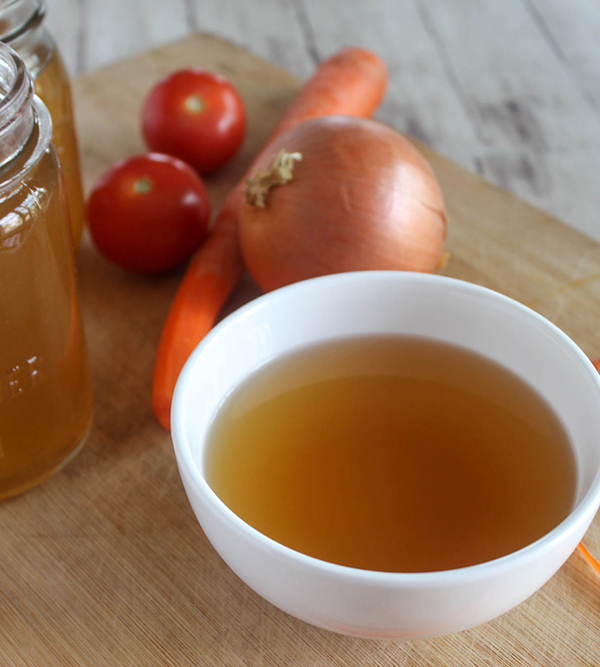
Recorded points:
(583, 512)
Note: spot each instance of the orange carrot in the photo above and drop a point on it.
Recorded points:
(590, 559)
(210, 277)
(351, 83)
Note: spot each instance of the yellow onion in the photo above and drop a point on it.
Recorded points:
(340, 194)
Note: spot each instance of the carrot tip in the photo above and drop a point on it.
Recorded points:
(594, 564)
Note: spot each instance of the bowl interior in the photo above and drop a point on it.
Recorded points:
(395, 303)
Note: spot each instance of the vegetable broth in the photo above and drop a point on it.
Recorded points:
(45, 384)
(392, 453)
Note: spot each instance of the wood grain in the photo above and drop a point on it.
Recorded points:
(106, 565)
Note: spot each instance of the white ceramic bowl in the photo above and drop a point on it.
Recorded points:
(380, 604)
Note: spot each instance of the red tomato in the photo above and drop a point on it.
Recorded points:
(148, 213)
(195, 115)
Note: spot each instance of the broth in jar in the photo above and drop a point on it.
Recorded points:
(45, 385)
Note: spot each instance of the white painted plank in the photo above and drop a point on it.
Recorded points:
(65, 20)
(574, 195)
(573, 30)
(520, 92)
(269, 28)
(116, 29)
(539, 129)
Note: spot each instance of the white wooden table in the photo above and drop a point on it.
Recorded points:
(508, 88)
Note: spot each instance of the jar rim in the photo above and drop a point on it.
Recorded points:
(16, 93)
(20, 113)
(42, 138)
(15, 86)
(20, 16)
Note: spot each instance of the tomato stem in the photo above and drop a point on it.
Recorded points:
(194, 103)
(142, 185)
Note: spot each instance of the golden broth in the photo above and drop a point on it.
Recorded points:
(392, 453)
(45, 385)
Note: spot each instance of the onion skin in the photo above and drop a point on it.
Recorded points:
(362, 198)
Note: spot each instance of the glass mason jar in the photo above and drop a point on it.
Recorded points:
(21, 28)
(45, 387)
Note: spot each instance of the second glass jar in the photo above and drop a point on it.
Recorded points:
(21, 27)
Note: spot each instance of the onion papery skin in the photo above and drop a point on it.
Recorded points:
(362, 198)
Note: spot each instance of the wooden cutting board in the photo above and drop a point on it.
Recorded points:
(105, 564)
